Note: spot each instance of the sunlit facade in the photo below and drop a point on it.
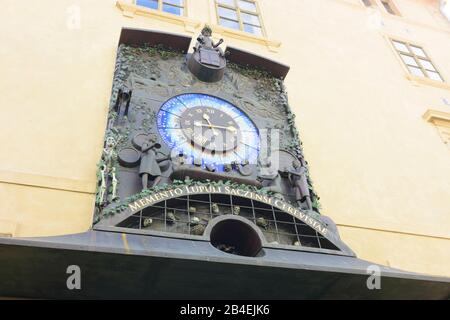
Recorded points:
(369, 82)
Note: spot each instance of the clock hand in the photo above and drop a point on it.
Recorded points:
(230, 128)
(206, 117)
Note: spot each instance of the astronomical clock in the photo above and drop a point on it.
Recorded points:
(201, 144)
(208, 128)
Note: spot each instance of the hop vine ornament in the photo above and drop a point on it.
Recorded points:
(198, 230)
(114, 196)
(107, 174)
(102, 189)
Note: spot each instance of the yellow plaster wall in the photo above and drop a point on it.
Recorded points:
(376, 163)
(427, 255)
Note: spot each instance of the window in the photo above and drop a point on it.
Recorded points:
(240, 15)
(390, 7)
(417, 61)
(170, 6)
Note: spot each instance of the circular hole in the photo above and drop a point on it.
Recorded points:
(236, 237)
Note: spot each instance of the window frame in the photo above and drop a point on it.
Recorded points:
(391, 4)
(417, 59)
(161, 4)
(241, 22)
(441, 121)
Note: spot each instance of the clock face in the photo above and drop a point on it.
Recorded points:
(208, 128)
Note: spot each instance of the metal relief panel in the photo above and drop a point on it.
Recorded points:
(183, 156)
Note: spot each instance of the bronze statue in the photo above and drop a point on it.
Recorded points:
(245, 168)
(123, 103)
(273, 177)
(299, 181)
(204, 41)
(149, 168)
(208, 62)
(109, 152)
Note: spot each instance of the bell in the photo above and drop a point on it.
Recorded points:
(236, 210)
(297, 243)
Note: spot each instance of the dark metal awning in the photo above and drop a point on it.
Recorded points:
(139, 37)
(116, 265)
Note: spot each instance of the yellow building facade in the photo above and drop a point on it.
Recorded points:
(377, 137)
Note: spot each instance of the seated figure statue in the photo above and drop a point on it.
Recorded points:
(210, 52)
(208, 61)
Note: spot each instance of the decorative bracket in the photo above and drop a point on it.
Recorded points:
(441, 120)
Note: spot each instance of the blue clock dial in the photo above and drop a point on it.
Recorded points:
(204, 127)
